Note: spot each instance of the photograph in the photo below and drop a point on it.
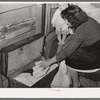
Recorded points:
(51, 45)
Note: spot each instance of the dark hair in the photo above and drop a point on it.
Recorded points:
(75, 15)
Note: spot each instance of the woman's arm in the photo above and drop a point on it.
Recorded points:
(72, 45)
(48, 62)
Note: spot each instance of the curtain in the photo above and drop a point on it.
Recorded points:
(50, 9)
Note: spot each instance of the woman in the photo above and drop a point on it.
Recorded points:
(82, 51)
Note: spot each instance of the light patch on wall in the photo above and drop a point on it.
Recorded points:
(96, 5)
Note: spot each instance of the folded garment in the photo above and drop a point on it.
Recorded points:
(39, 71)
(37, 64)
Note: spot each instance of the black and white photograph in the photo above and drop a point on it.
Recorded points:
(50, 45)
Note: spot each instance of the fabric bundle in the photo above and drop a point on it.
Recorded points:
(62, 78)
(39, 71)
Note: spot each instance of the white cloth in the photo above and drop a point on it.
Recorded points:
(61, 79)
(39, 71)
(86, 71)
(58, 22)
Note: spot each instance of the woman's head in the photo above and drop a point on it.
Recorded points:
(75, 15)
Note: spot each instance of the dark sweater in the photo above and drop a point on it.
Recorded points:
(85, 35)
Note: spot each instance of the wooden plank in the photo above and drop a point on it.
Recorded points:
(21, 43)
(4, 63)
(1, 81)
(17, 38)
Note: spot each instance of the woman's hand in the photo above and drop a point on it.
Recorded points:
(45, 63)
(48, 62)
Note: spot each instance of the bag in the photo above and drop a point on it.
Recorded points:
(62, 78)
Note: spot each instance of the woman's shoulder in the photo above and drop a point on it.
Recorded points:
(91, 23)
(85, 26)
(90, 26)
(93, 20)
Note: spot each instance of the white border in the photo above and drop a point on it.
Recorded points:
(42, 2)
(49, 92)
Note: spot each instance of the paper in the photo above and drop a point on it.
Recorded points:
(26, 78)
(29, 80)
